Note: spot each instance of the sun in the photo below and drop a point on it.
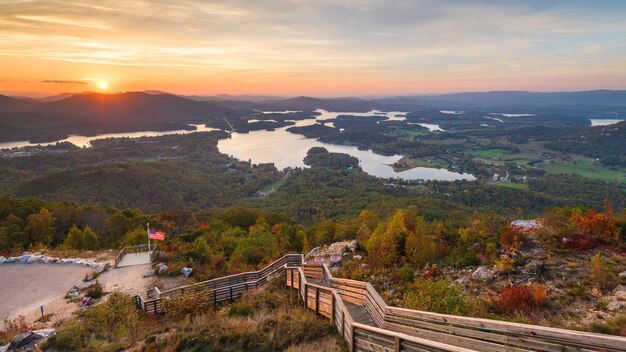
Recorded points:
(103, 85)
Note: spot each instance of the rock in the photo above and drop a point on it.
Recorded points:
(88, 277)
(476, 247)
(483, 273)
(162, 268)
(616, 305)
(27, 341)
(535, 267)
(335, 260)
(4, 348)
(357, 257)
(161, 255)
(2, 259)
(186, 271)
(621, 275)
(620, 292)
(149, 273)
(353, 246)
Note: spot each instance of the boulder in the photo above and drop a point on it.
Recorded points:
(2, 259)
(535, 267)
(620, 292)
(621, 275)
(353, 245)
(483, 273)
(162, 268)
(616, 305)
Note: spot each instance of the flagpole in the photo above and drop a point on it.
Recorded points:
(148, 226)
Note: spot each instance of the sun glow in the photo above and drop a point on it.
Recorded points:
(103, 85)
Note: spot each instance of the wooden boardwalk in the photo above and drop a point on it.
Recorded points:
(132, 259)
(368, 324)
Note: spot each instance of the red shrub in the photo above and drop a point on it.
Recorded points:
(522, 300)
(512, 238)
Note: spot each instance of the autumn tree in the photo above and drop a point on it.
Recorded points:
(421, 247)
(40, 227)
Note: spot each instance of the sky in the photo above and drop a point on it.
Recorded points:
(319, 48)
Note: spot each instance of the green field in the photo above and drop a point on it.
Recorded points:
(586, 169)
(493, 153)
(515, 185)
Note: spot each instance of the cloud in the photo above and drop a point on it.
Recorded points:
(58, 81)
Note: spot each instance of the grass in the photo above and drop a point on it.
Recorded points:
(514, 185)
(493, 153)
(586, 169)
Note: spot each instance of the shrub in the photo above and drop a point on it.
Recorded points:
(13, 327)
(437, 295)
(600, 275)
(462, 256)
(521, 300)
(512, 238)
(189, 304)
(96, 291)
(240, 310)
(404, 274)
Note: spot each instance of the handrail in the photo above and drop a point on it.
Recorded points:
(400, 329)
(396, 329)
(222, 288)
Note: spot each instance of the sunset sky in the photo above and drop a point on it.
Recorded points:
(321, 48)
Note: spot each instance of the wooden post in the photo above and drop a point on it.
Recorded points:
(231, 293)
(343, 324)
(397, 345)
(214, 298)
(352, 339)
(332, 309)
(306, 297)
(317, 300)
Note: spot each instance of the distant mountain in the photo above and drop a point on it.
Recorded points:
(331, 104)
(16, 104)
(62, 96)
(615, 98)
(131, 106)
(228, 97)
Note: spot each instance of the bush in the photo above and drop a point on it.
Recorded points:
(189, 304)
(512, 238)
(96, 291)
(600, 275)
(437, 295)
(521, 300)
(462, 256)
(240, 310)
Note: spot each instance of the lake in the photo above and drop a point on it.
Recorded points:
(604, 122)
(286, 149)
(84, 141)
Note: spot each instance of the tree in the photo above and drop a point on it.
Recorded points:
(135, 237)
(40, 227)
(75, 239)
(202, 250)
(421, 247)
(90, 239)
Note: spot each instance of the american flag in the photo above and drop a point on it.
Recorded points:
(156, 235)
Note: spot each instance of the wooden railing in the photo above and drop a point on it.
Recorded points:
(221, 289)
(399, 329)
(391, 328)
(133, 250)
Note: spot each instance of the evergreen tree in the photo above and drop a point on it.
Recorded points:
(90, 239)
(75, 239)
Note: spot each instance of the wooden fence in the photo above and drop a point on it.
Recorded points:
(221, 289)
(398, 329)
(133, 250)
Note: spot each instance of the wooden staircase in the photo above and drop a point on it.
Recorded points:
(367, 323)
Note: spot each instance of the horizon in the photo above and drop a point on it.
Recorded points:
(270, 96)
(322, 49)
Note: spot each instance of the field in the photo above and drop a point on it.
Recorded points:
(493, 153)
(586, 169)
(514, 185)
